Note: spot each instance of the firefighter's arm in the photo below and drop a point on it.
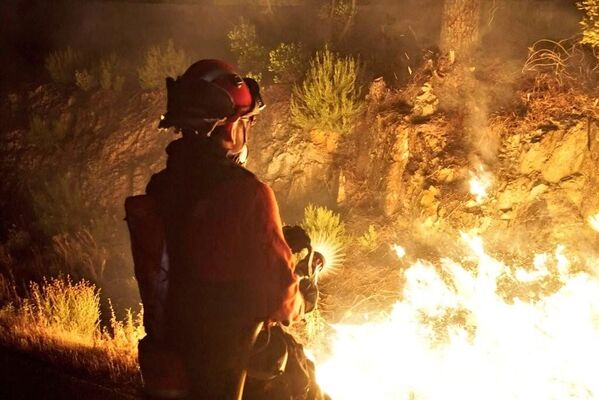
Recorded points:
(146, 231)
(285, 301)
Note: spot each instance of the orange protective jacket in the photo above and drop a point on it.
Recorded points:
(207, 221)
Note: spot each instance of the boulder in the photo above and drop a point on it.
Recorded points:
(567, 157)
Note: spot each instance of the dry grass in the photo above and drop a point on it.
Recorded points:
(545, 99)
(80, 255)
(58, 322)
(564, 64)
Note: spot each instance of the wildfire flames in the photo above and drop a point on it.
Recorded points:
(594, 222)
(480, 181)
(400, 252)
(458, 333)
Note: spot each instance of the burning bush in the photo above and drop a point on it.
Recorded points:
(162, 61)
(329, 98)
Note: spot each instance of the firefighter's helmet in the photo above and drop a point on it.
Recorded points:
(210, 93)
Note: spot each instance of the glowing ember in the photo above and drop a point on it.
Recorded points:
(399, 251)
(480, 181)
(594, 221)
(455, 335)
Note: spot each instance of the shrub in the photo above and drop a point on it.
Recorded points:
(108, 73)
(80, 254)
(127, 333)
(59, 323)
(339, 10)
(161, 62)
(328, 235)
(104, 75)
(251, 55)
(286, 62)
(62, 305)
(46, 135)
(62, 64)
(369, 240)
(7, 290)
(589, 22)
(328, 99)
(85, 80)
(58, 204)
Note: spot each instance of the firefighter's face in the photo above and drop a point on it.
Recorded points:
(238, 135)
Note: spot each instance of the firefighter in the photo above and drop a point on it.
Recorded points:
(207, 242)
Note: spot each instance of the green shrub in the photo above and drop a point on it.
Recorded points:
(108, 73)
(329, 97)
(320, 222)
(105, 74)
(328, 235)
(338, 11)
(85, 80)
(60, 304)
(369, 240)
(161, 62)
(58, 204)
(46, 135)
(62, 64)
(589, 22)
(286, 62)
(251, 55)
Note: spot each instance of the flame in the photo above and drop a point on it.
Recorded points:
(455, 335)
(399, 251)
(480, 182)
(593, 220)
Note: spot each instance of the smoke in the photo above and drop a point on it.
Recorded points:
(488, 78)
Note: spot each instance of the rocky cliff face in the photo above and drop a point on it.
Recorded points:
(541, 184)
(68, 161)
(406, 164)
(108, 143)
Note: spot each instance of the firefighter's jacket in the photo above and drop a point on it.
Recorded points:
(207, 222)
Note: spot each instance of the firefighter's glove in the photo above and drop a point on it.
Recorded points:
(309, 291)
(296, 237)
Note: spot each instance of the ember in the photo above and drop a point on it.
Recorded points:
(480, 182)
(399, 251)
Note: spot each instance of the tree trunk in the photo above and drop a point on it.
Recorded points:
(460, 26)
(349, 20)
